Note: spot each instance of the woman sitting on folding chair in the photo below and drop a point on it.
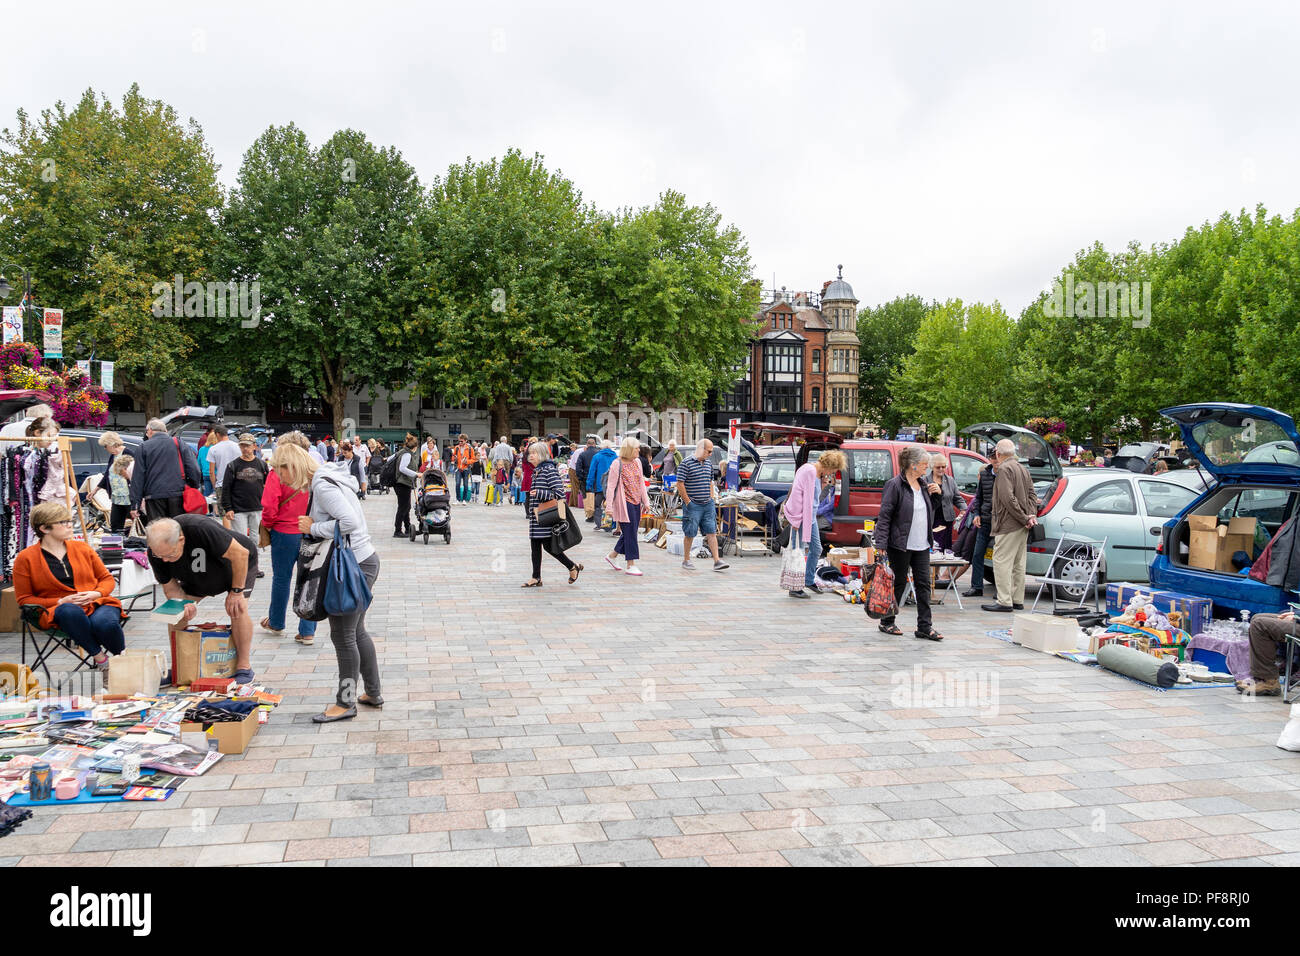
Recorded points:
(67, 578)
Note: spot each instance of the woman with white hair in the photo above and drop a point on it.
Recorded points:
(626, 497)
(903, 532)
(546, 486)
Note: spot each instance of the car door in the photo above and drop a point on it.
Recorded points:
(868, 470)
(965, 470)
(1160, 501)
(1109, 510)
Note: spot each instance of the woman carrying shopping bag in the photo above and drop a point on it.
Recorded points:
(903, 531)
(334, 507)
(800, 510)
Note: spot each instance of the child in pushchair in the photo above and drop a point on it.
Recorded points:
(375, 474)
(432, 506)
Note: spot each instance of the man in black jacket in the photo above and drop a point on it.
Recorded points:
(581, 467)
(158, 483)
(983, 507)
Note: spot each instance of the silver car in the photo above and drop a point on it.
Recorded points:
(1127, 509)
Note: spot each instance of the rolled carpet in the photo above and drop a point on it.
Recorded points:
(1139, 666)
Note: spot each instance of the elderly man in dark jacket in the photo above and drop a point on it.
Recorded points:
(982, 505)
(1015, 511)
(158, 482)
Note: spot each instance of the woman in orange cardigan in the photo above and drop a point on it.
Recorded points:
(67, 578)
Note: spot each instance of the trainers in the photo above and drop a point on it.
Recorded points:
(720, 565)
(688, 565)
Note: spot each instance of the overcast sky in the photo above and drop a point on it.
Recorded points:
(952, 150)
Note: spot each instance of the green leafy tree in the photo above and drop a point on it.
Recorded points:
(506, 291)
(101, 205)
(1264, 283)
(887, 336)
(329, 236)
(956, 376)
(674, 306)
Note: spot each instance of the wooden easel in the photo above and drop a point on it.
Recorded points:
(65, 449)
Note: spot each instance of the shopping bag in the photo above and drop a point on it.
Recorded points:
(137, 672)
(567, 534)
(880, 593)
(793, 563)
(346, 588)
(310, 577)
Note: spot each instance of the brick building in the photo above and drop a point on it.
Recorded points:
(802, 367)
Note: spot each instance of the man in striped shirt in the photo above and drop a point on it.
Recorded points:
(699, 513)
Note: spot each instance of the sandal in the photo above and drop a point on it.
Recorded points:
(306, 640)
(890, 629)
(266, 626)
(932, 636)
(573, 574)
(531, 584)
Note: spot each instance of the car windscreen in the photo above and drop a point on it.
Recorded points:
(1226, 444)
(775, 472)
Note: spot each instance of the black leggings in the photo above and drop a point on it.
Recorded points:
(918, 562)
(551, 549)
(402, 520)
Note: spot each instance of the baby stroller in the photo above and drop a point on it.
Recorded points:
(432, 506)
(375, 475)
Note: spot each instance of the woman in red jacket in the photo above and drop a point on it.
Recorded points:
(67, 578)
(283, 503)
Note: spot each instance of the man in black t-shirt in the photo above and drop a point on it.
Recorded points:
(194, 557)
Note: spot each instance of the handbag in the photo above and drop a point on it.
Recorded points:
(550, 513)
(309, 576)
(793, 564)
(566, 535)
(1038, 533)
(346, 589)
(192, 499)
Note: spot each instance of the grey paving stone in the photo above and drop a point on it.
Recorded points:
(370, 826)
(489, 839)
(120, 839)
(648, 827)
(825, 856)
(400, 859)
(619, 850)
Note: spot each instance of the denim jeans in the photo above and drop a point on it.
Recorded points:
(977, 559)
(100, 630)
(284, 558)
(500, 493)
(462, 484)
(207, 485)
(814, 555)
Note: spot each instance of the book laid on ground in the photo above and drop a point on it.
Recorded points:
(170, 612)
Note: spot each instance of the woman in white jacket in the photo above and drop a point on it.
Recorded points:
(334, 503)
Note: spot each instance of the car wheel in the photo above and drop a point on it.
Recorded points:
(1072, 567)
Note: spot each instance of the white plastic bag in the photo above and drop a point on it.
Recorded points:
(1290, 739)
(793, 564)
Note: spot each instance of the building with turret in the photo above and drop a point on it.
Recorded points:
(802, 367)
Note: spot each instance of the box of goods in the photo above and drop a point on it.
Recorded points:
(1212, 545)
(1045, 632)
(1196, 612)
(201, 652)
(9, 617)
(232, 736)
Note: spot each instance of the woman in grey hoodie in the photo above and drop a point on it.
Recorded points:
(334, 504)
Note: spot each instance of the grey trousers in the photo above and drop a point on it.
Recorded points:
(354, 648)
(1267, 633)
(247, 523)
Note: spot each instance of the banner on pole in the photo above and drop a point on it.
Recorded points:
(106, 376)
(84, 365)
(13, 323)
(53, 333)
(733, 455)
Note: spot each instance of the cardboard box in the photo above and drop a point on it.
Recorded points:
(1212, 545)
(10, 621)
(198, 652)
(1045, 632)
(232, 737)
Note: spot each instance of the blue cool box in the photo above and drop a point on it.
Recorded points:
(1198, 611)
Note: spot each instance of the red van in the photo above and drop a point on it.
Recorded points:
(871, 463)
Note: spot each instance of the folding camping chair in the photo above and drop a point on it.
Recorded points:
(45, 642)
(1084, 555)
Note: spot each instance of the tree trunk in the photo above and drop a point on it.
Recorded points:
(500, 416)
(337, 396)
(148, 397)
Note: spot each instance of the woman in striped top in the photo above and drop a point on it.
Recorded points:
(546, 486)
(626, 498)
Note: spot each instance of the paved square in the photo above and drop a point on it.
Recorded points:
(694, 718)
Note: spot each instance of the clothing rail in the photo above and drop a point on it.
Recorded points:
(65, 447)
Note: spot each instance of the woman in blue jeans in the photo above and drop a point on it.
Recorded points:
(284, 501)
